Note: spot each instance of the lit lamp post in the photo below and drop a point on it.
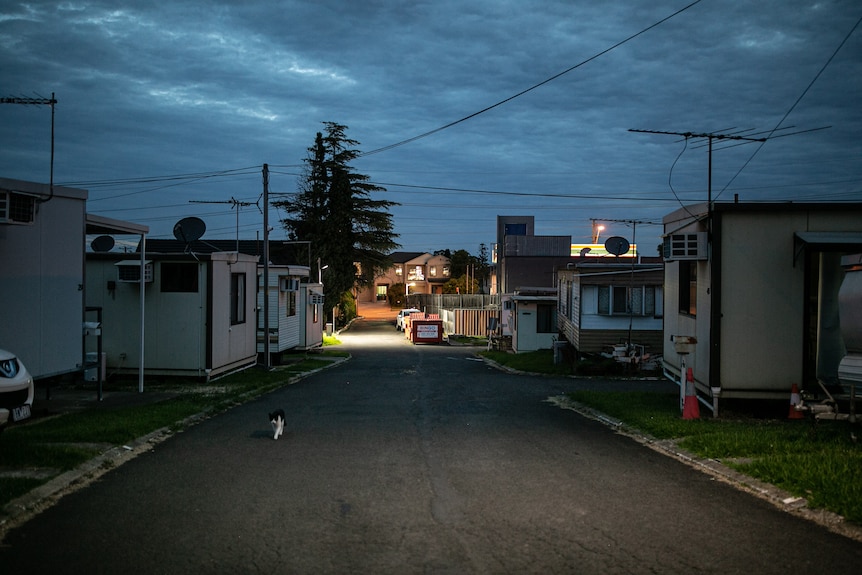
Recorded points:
(320, 271)
(597, 230)
(320, 281)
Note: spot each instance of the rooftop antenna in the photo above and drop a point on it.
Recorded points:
(39, 102)
(234, 204)
(710, 136)
(735, 136)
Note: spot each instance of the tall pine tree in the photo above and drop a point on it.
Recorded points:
(350, 232)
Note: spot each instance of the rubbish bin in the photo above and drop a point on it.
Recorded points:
(559, 347)
(329, 328)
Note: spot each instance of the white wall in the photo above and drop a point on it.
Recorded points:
(524, 337)
(233, 345)
(41, 285)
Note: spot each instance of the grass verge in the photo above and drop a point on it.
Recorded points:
(33, 453)
(819, 461)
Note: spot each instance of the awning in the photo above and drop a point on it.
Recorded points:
(842, 242)
(101, 225)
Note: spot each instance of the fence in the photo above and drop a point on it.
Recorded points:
(461, 314)
(433, 302)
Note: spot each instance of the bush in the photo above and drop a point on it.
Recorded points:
(347, 307)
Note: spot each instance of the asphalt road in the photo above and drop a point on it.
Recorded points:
(416, 459)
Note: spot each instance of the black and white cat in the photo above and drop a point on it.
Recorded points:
(276, 418)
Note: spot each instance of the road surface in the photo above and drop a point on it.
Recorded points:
(416, 459)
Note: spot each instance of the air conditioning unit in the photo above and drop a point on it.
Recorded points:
(129, 271)
(687, 246)
(17, 208)
(288, 284)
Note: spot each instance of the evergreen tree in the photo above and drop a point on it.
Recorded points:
(350, 232)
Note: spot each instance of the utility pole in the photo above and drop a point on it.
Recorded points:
(267, 364)
(39, 102)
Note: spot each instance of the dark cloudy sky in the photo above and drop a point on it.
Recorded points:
(163, 105)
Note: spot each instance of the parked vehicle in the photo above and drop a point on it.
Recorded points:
(399, 320)
(16, 389)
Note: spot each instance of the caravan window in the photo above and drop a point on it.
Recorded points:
(290, 308)
(688, 287)
(546, 316)
(237, 298)
(179, 277)
(623, 300)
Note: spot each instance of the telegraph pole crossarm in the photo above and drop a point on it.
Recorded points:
(710, 136)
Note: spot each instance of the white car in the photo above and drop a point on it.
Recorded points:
(16, 389)
(399, 321)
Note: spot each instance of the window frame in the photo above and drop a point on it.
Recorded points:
(637, 301)
(237, 298)
(174, 277)
(688, 287)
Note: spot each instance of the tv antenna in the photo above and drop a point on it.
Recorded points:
(711, 136)
(39, 102)
(235, 204)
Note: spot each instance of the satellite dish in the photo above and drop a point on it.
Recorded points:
(189, 229)
(102, 244)
(617, 245)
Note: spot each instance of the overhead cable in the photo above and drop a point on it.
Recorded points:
(531, 88)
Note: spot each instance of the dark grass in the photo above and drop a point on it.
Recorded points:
(820, 461)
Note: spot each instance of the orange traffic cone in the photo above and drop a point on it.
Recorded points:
(691, 408)
(794, 401)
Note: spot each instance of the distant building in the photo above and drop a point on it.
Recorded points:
(522, 259)
(421, 272)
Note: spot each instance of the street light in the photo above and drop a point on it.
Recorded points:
(320, 271)
(597, 230)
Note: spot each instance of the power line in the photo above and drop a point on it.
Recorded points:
(531, 88)
(235, 204)
(710, 137)
(799, 99)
